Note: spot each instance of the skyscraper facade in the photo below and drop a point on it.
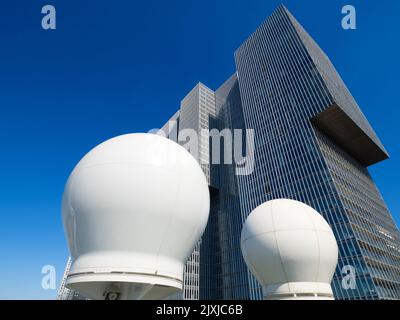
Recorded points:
(312, 143)
(193, 118)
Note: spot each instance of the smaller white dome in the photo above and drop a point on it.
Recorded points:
(290, 249)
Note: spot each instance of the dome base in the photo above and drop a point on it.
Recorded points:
(298, 291)
(123, 286)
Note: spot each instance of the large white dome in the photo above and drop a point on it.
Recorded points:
(290, 249)
(133, 209)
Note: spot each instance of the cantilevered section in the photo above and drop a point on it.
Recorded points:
(343, 121)
(338, 126)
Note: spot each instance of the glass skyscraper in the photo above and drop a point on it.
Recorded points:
(311, 143)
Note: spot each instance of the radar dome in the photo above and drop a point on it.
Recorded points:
(291, 250)
(133, 210)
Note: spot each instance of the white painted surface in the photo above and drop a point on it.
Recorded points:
(290, 249)
(133, 209)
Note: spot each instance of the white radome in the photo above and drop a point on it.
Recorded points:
(133, 209)
(291, 250)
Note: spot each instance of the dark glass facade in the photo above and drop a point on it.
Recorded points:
(312, 144)
(301, 109)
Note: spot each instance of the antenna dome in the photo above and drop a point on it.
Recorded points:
(133, 209)
(290, 249)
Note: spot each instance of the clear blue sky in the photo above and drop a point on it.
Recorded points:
(114, 67)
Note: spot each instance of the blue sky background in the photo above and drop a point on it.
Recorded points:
(114, 67)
